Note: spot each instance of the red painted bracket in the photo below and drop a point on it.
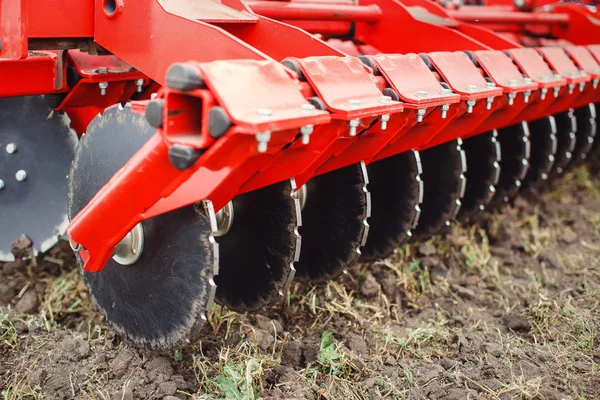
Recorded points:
(462, 75)
(560, 62)
(584, 60)
(505, 74)
(329, 76)
(262, 97)
(414, 82)
(533, 65)
(102, 68)
(39, 74)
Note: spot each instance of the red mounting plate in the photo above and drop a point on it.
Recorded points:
(346, 87)
(584, 60)
(595, 50)
(563, 65)
(415, 84)
(533, 65)
(503, 71)
(90, 66)
(263, 97)
(462, 75)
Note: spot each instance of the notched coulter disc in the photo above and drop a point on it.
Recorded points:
(444, 168)
(566, 126)
(516, 149)
(161, 300)
(334, 222)
(543, 149)
(586, 132)
(37, 147)
(257, 255)
(483, 159)
(396, 194)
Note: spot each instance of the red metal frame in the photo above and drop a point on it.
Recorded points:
(236, 47)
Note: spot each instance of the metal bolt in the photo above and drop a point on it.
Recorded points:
(421, 93)
(556, 90)
(445, 91)
(512, 82)
(306, 130)
(265, 112)
(543, 93)
(1, 184)
(528, 80)
(102, 86)
(385, 99)
(139, 83)
(595, 83)
(526, 95)
(489, 102)
(420, 114)
(384, 120)
(102, 70)
(309, 108)
(470, 104)
(11, 148)
(511, 98)
(471, 88)
(571, 87)
(490, 85)
(544, 78)
(21, 175)
(263, 139)
(353, 123)
(354, 103)
(581, 86)
(557, 77)
(445, 108)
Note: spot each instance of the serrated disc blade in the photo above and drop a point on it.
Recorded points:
(396, 193)
(161, 300)
(566, 126)
(45, 146)
(483, 159)
(256, 257)
(444, 180)
(543, 149)
(516, 149)
(334, 222)
(586, 132)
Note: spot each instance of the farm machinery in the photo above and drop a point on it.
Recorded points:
(208, 151)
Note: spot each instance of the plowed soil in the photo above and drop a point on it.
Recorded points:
(507, 308)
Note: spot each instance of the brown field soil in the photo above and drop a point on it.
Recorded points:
(508, 308)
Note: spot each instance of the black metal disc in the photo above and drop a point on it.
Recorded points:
(543, 149)
(396, 191)
(444, 168)
(483, 159)
(334, 222)
(256, 257)
(566, 126)
(586, 132)
(44, 147)
(516, 149)
(160, 301)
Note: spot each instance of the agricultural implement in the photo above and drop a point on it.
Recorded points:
(212, 150)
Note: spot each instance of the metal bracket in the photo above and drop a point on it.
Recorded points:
(462, 75)
(560, 62)
(329, 76)
(262, 98)
(584, 60)
(413, 80)
(505, 74)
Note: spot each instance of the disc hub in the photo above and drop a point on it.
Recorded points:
(224, 219)
(129, 250)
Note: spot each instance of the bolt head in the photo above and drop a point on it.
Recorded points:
(354, 103)
(11, 148)
(421, 93)
(445, 91)
(308, 107)
(103, 85)
(385, 99)
(265, 112)
(21, 175)
(490, 85)
(528, 80)
(471, 87)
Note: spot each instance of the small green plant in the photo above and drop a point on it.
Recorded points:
(332, 359)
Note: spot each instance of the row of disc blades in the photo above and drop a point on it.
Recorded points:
(313, 233)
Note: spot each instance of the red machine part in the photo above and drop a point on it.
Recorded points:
(236, 163)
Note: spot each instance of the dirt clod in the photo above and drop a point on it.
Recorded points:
(28, 303)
